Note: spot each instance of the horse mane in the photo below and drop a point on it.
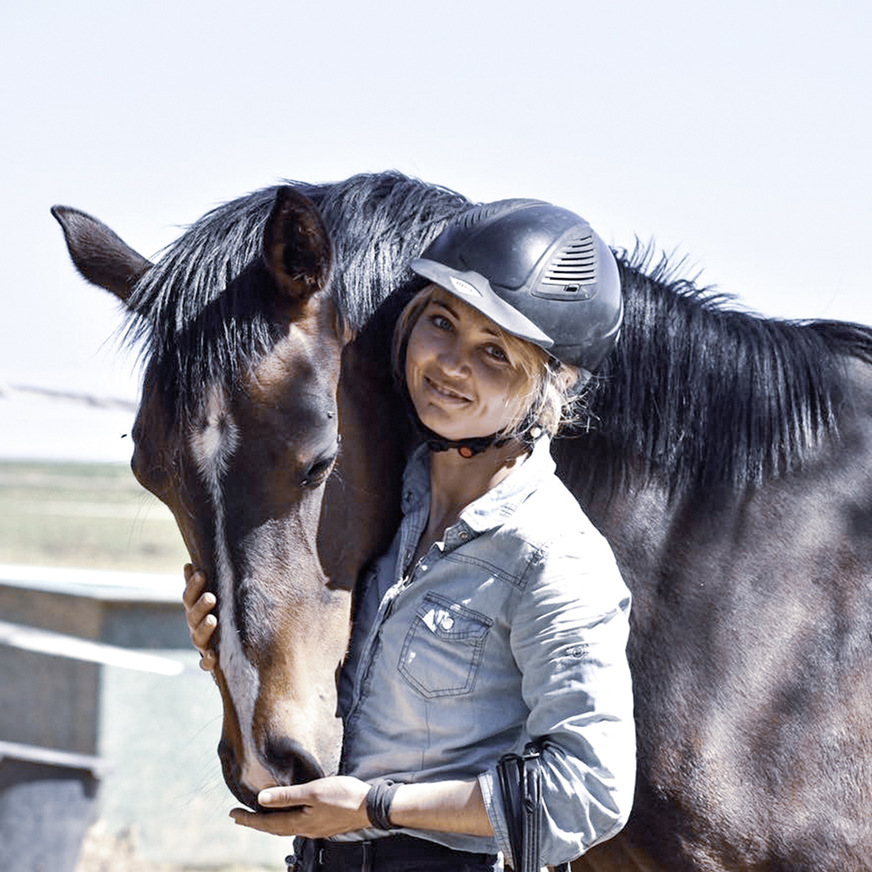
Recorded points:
(700, 393)
(201, 314)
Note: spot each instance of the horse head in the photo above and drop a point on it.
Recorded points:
(238, 433)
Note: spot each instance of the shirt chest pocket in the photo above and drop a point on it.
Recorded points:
(443, 648)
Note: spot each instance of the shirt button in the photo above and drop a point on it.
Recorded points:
(464, 535)
(447, 622)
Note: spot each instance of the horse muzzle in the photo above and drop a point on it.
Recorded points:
(284, 762)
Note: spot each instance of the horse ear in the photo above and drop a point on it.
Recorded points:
(101, 256)
(296, 245)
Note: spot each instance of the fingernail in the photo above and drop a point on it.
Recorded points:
(265, 796)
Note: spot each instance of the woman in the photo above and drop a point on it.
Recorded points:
(498, 616)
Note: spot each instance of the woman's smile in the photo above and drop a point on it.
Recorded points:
(443, 392)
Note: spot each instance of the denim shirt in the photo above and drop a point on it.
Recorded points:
(513, 627)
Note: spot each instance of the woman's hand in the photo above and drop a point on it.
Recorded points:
(316, 810)
(198, 612)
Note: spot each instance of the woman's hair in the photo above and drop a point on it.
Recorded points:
(552, 386)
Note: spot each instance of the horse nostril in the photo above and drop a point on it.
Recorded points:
(289, 762)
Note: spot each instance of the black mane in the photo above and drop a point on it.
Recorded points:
(700, 393)
(697, 391)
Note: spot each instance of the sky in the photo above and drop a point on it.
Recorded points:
(734, 137)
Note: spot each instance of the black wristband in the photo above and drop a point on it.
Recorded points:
(378, 804)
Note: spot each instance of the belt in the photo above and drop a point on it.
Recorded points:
(374, 855)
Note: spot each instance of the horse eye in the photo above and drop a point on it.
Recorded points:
(318, 471)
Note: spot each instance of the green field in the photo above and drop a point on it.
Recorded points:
(90, 515)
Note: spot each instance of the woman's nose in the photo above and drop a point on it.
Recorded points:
(454, 360)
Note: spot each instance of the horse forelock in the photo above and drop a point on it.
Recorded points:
(378, 223)
(701, 393)
(200, 314)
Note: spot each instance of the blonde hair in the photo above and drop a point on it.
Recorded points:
(549, 384)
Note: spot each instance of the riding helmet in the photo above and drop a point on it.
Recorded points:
(538, 271)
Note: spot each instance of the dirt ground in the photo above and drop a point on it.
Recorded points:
(104, 852)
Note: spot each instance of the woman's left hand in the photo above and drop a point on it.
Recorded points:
(316, 810)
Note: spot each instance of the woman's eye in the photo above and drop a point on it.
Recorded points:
(497, 353)
(440, 322)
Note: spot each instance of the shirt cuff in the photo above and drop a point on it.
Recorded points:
(493, 805)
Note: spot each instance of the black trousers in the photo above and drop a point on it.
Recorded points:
(398, 853)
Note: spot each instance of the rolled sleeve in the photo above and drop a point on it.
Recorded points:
(569, 638)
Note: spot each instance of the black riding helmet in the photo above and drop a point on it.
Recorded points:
(538, 271)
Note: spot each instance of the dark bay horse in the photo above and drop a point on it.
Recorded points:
(727, 458)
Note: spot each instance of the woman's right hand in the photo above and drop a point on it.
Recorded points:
(198, 612)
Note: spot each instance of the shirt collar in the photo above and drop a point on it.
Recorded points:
(490, 509)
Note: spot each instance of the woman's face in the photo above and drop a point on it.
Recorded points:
(459, 373)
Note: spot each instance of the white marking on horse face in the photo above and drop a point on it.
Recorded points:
(213, 442)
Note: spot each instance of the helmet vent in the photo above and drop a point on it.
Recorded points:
(573, 265)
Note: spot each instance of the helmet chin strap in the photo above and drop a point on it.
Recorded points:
(465, 447)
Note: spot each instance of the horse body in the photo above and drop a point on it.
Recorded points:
(751, 670)
(728, 465)
(750, 643)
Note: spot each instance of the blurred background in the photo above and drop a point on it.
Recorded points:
(733, 137)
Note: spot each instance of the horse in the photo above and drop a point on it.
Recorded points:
(726, 458)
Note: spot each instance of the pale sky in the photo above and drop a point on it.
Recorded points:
(736, 135)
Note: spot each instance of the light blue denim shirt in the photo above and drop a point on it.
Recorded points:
(512, 628)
